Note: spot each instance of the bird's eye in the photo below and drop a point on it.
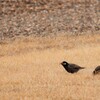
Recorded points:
(64, 63)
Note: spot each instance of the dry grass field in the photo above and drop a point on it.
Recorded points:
(30, 68)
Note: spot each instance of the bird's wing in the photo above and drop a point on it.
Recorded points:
(76, 66)
(97, 68)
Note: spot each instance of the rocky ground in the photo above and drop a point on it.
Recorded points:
(48, 17)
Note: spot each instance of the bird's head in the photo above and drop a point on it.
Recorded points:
(95, 72)
(64, 63)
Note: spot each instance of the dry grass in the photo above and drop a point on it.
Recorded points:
(30, 68)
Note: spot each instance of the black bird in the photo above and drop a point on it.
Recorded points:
(71, 68)
(97, 70)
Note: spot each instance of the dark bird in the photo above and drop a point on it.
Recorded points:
(97, 70)
(71, 68)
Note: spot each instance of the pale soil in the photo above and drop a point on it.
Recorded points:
(30, 68)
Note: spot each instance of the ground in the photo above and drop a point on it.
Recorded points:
(30, 68)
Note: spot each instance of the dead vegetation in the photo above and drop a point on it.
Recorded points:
(30, 68)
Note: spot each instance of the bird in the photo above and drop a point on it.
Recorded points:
(71, 68)
(97, 70)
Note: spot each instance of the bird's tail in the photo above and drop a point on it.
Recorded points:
(82, 68)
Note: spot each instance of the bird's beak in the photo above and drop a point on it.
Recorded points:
(61, 63)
